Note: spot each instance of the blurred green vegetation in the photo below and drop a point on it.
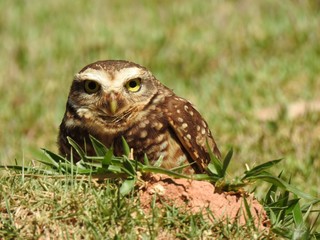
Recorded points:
(230, 58)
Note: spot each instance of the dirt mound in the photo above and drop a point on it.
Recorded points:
(199, 196)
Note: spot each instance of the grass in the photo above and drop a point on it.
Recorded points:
(63, 208)
(230, 58)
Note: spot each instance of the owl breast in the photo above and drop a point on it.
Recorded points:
(153, 136)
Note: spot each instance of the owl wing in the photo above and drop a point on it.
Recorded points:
(192, 132)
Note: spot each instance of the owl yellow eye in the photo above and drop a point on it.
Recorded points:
(91, 86)
(134, 85)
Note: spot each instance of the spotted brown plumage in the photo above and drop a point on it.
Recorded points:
(114, 98)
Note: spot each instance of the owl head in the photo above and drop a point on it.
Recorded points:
(110, 88)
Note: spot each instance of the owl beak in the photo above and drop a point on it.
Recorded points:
(112, 102)
(113, 106)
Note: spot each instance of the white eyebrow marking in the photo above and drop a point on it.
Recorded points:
(92, 74)
(129, 73)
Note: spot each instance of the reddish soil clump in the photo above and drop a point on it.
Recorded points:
(198, 196)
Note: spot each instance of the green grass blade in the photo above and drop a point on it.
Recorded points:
(26, 169)
(152, 169)
(107, 160)
(291, 204)
(226, 161)
(272, 190)
(307, 213)
(85, 171)
(146, 160)
(297, 215)
(53, 158)
(268, 199)
(66, 167)
(250, 220)
(179, 168)
(128, 165)
(282, 184)
(315, 223)
(126, 147)
(127, 186)
(49, 164)
(205, 177)
(212, 170)
(283, 203)
(159, 161)
(115, 169)
(260, 168)
(99, 148)
(215, 165)
(85, 165)
(273, 217)
(78, 149)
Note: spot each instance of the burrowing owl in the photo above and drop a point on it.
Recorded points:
(114, 98)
